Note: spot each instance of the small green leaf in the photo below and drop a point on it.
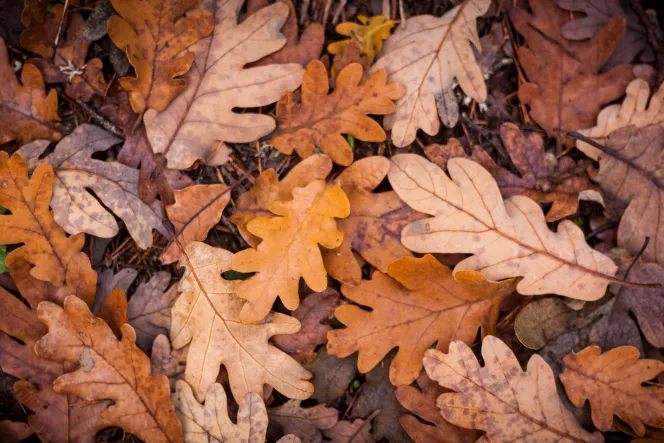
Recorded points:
(2, 210)
(356, 384)
(3, 256)
(351, 141)
(235, 275)
(318, 151)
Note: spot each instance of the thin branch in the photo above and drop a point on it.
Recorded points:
(638, 255)
(99, 118)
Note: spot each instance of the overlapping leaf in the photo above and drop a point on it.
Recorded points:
(149, 309)
(508, 238)
(426, 56)
(196, 123)
(305, 423)
(369, 35)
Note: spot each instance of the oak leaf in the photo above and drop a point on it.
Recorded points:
(155, 36)
(109, 280)
(613, 382)
(15, 431)
(369, 34)
(357, 431)
(116, 186)
(27, 111)
(195, 125)
(351, 54)
(332, 375)
(110, 369)
(196, 210)
(426, 56)
(508, 238)
(321, 119)
(167, 361)
(305, 423)
(565, 89)
(149, 309)
(207, 315)
(290, 248)
(420, 305)
(515, 405)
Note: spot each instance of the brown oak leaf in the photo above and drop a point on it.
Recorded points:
(167, 361)
(149, 309)
(613, 382)
(321, 119)
(332, 375)
(351, 54)
(357, 431)
(565, 89)
(289, 249)
(110, 369)
(305, 423)
(155, 35)
(109, 280)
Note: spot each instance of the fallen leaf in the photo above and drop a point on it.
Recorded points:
(321, 119)
(142, 404)
(352, 53)
(195, 125)
(420, 305)
(167, 361)
(373, 228)
(543, 178)
(15, 431)
(203, 423)
(425, 55)
(116, 186)
(149, 309)
(515, 405)
(637, 109)
(613, 382)
(155, 34)
(290, 248)
(34, 12)
(305, 423)
(45, 245)
(508, 238)
(369, 35)
(357, 431)
(332, 375)
(314, 313)
(114, 311)
(207, 316)
(109, 280)
(27, 111)
(565, 89)
(196, 210)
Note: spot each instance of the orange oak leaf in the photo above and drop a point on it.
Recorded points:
(26, 111)
(420, 305)
(565, 89)
(155, 34)
(321, 119)
(114, 311)
(509, 404)
(196, 210)
(615, 384)
(289, 249)
(110, 369)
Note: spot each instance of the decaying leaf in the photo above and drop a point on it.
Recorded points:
(195, 125)
(543, 177)
(421, 304)
(149, 309)
(565, 89)
(500, 398)
(167, 361)
(209, 422)
(508, 238)
(374, 226)
(351, 54)
(321, 119)
(155, 36)
(27, 112)
(116, 186)
(332, 375)
(110, 369)
(613, 384)
(637, 109)
(290, 248)
(207, 315)
(196, 210)
(357, 431)
(369, 35)
(109, 280)
(426, 55)
(305, 423)
(114, 311)
(15, 431)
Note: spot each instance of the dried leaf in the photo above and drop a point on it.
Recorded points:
(290, 248)
(305, 423)
(426, 55)
(109, 369)
(27, 112)
(420, 305)
(509, 238)
(169, 362)
(114, 311)
(369, 35)
(195, 125)
(196, 210)
(613, 383)
(374, 225)
(357, 431)
(321, 119)
(155, 36)
(108, 280)
(203, 423)
(149, 309)
(207, 316)
(515, 405)
(352, 53)
(565, 88)
(15, 431)
(332, 375)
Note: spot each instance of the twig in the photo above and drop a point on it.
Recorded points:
(340, 8)
(601, 229)
(99, 118)
(548, 38)
(637, 256)
(64, 15)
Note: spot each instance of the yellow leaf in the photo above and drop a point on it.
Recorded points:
(369, 35)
